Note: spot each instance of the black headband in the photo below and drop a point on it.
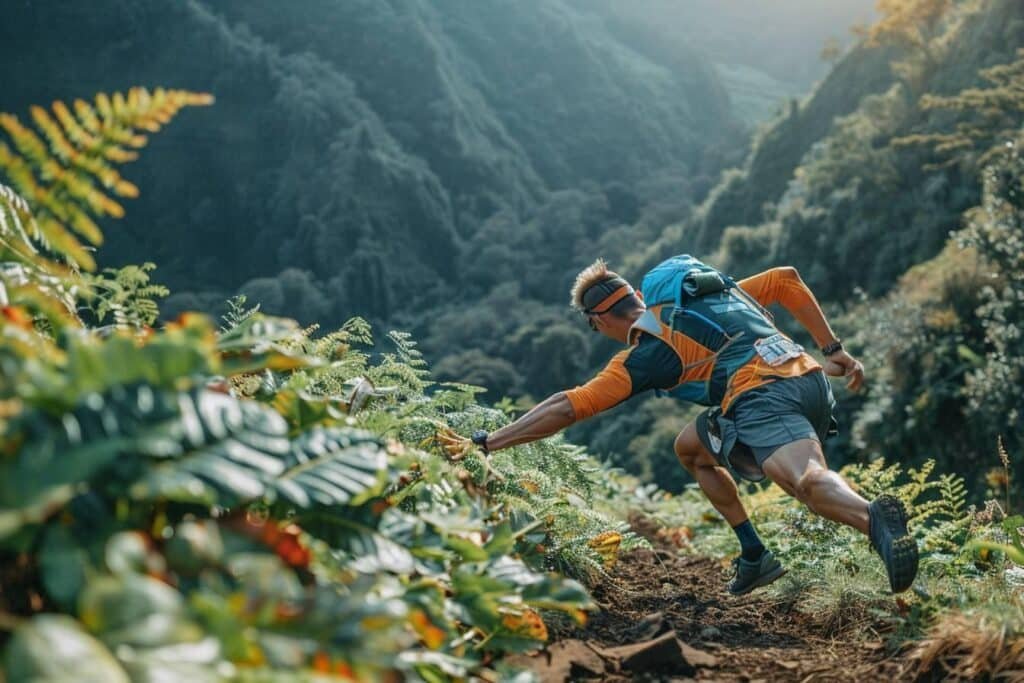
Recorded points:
(600, 291)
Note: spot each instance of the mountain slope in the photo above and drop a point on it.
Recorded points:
(844, 197)
(356, 147)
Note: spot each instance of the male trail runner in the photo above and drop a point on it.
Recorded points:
(771, 404)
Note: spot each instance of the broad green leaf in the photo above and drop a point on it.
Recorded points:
(502, 540)
(428, 663)
(363, 538)
(52, 648)
(127, 552)
(194, 546)
(194, 662)
(467, 549)
(135, 610)
(63, 564)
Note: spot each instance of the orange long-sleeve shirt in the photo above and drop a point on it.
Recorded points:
(653, 363)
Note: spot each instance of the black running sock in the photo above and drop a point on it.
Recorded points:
(750, 542)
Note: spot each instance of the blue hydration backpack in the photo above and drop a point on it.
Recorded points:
(685, 296)
(681, 279)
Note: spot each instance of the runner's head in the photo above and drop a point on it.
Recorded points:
(606, 299)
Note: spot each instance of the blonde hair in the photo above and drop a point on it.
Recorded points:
(588, 277)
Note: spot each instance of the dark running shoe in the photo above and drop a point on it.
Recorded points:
(751, 574)
(887, 530)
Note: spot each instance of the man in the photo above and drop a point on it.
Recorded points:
(770, 404)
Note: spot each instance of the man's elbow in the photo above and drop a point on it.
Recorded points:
(788, 273)
(563, 408)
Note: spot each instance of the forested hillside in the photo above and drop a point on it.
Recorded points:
(765, 53)
(861, 187)
(378, 158)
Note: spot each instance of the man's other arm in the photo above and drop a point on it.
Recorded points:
(785, 287)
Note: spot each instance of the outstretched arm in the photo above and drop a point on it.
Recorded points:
(784, 286)
(548, 417)
(611, 386)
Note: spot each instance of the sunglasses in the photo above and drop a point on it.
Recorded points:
(591, 322)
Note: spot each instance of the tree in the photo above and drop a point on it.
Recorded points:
(985, 115)
(831, 51)
(995, 229)
(913, 22)
(915, 25)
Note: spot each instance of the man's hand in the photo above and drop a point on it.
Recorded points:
(842, 364)
(455, 446)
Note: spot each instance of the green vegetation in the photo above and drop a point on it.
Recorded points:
(258, 499)
(254, 502)
(970, 575)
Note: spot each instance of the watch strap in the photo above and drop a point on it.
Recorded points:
(479, 437)
(829, 349)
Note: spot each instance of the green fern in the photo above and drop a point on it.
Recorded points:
(27, 278)
(196, 447)
(237, 313)
(126, 295)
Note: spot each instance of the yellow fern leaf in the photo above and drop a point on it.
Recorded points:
(106, 112)
(125, 189)
(25, 141)
(64, 242)
(54, 133)
(66, 170)
(77, 133)
(87, 116)
(85, 226)
(119, 155)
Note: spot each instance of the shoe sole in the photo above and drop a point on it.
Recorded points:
(904, 555)
(762, 580)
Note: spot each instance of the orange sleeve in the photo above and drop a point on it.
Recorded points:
(610, 387)
(785, 287)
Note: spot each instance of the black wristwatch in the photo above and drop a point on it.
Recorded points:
(827, 351)
(479, 437)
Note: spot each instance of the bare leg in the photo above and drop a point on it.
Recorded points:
(716, 482)
(800, 469)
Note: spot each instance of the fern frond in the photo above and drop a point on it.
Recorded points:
(237, 313)
(127, 295)
(27, 279)
(64, 166)
(358, 331)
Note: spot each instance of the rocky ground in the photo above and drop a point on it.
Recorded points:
(667, 617)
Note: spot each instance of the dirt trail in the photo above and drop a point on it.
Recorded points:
(666, 617)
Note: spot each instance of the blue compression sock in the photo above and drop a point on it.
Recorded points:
(750, 542)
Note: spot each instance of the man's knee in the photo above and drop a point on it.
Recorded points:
(688, 447)
(814, 479)
(792, 465)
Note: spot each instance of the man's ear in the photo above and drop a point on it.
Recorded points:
(639, 295)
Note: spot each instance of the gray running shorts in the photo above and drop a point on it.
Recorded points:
(763, 419)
